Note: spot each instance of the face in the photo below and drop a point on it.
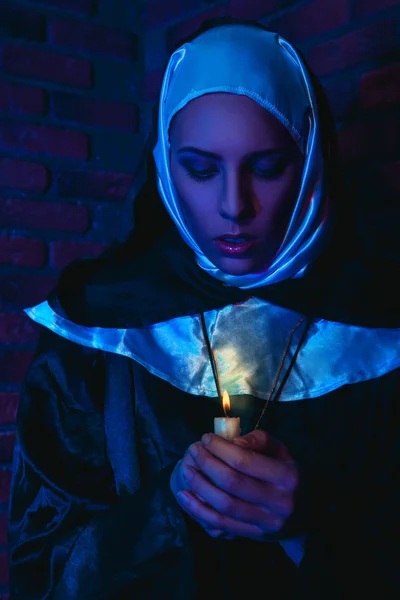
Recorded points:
(237, 172)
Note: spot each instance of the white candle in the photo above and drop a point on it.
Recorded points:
(227, 427)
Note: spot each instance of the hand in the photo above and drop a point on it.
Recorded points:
(179, 484)
(246, 488)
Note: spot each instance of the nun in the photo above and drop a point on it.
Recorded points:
(239, 298)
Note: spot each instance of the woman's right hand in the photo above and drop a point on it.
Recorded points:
(179, 484)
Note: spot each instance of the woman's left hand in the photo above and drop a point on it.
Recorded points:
(246, 488)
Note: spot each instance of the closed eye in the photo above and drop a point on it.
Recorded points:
(201, 176)
(272, 171)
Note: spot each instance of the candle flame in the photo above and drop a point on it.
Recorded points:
(226, 402)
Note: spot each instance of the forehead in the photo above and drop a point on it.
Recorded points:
(223, 120)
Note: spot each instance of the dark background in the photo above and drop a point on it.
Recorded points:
(78, 79)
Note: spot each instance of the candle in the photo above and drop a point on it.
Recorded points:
(227, 427)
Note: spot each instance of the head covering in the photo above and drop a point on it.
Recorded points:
(245, 60)
(153, 275)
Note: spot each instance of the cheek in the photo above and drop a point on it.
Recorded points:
(196, 203)
(196, 212)
(278, 198)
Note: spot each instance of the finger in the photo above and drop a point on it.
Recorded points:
(214, 532)
(186, 461)
(239, 484)
(261, 441)
(270, 470)
(216, 520)
(211, 532)
(220, 534)
(230, 506)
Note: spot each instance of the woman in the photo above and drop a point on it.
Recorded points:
(244, 283)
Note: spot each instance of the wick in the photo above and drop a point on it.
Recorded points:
(223, 406)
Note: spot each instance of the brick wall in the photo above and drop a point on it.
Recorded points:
(70, 139)
(80, 77)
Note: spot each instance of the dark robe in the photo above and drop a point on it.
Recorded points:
(92, 516)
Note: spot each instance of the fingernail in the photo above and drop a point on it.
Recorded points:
(188, 473)
(206, 439)
(194, 450)
(241, 441)
(183, 497)
(214, 532)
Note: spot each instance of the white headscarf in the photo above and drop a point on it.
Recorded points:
(246, 60)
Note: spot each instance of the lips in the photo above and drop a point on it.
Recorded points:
(235, 245)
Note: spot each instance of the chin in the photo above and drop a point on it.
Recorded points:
(236, 266)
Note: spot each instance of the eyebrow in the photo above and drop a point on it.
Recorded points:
(213, 155)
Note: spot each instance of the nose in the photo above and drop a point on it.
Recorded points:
(236, 203)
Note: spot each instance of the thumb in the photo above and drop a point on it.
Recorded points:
(261, 441)
(256, 440)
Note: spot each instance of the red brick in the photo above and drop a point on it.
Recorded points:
(62, 253)
(156, 12)
(21, 291)
(370, 43)
(22, 23)
(152, 84)
(38, 64)
(22, 252)
(23, 175)
(90, 111)
(8, 407)
(88, 37)
(58, 216)
(254, 9)
(43, 139)
(17, 328)
(373, 138)
(5, 485)
(381, 89)
(3, 529)
(14, 365)
(4, 569)
(22, 100)
(176, 33)
(84, 7)
(101, 186)
(362, 8)
(311, 19)
(7, 441)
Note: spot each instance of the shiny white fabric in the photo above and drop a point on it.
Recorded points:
(244, 60)
(333, 355)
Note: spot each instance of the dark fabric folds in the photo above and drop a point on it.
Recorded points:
(71, 535)
(92, 516)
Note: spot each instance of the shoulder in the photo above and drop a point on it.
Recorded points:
(64, 373)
